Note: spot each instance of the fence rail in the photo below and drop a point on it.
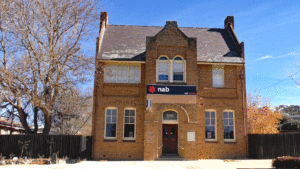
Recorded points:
(72, 146)
(268, 146)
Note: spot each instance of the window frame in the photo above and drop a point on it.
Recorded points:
(116, 74)
(170, 63)
(129, 138)
(169, 121)
(218, 67)
(233, 117)
(211, 110)
(110, 138)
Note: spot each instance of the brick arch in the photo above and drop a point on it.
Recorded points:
(175, 107)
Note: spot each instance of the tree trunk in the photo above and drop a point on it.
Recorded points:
(47, 125)
(23, 120)
(36, 127)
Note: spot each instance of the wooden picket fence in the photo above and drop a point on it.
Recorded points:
(270, 146)
(72, 146)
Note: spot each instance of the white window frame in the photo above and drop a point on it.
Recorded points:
(218, 67)
(170, 69)
(211, 110)
(116, 74)
(129, 138)
(111, 138)
(234, 136)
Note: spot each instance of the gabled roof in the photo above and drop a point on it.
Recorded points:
(125, 42)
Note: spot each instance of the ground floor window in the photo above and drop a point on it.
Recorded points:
(228, 125)
(129, 124)
(111, 123)
(210, 125)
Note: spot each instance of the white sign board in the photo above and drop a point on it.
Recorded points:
(190, 136)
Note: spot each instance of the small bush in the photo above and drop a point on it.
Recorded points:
(286, 162)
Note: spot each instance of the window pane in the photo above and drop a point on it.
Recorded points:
(129, 130)
(126, 119)
(126, 112)
(228, 132)
(132, 112)
(134, 74)
(108, 111)
(212, 121)
(225, 122)
(210, 132)
(163, 77)
(163, 67)
(110, 130)
(169, 115)
(218, 77)
(207, 122)
(114, 119)
(177, 58)
(230, 114)
(122, 74)
(212, 114)
(131, 119)
(114, 112)
(230, 121)
(110, 74)
(178, 67)
(178, 76)
(225, 115)
(206, 114)
(163, 58)
(108, 119)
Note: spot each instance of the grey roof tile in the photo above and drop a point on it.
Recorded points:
(125, 42)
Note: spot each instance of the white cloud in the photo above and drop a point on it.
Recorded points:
(265, 57)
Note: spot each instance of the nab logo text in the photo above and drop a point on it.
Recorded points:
(163, 89)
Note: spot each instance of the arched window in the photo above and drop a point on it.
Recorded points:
(178, 69)
(163, 68)
(170, 117)
(170, 70)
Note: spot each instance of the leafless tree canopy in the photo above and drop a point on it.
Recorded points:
(43, 53)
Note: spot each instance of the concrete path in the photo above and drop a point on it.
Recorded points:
(199, 164)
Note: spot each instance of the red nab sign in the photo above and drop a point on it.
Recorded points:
(171, 89)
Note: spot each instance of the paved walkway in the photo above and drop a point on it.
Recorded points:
(199, 164)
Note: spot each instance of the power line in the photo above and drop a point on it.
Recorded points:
(279, 81)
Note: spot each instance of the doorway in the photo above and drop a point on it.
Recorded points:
(170, 138)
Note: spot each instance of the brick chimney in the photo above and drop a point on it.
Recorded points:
(171, 24)
(103, 19)
(229, 20)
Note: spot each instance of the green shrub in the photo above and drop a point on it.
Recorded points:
(286, 162)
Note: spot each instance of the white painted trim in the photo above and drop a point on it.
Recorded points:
(216, 129)
(211, 63)
(110, 138)
(234, 136)
(125, 138)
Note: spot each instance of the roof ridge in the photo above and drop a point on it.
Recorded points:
(162, 26)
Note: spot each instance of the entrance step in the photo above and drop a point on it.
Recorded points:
(170, 157)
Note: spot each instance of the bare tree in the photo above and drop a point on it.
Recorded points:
(73, 109)
(42, 54)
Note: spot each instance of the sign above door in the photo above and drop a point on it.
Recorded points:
(171, 89)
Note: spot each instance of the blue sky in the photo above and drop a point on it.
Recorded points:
(269, 29)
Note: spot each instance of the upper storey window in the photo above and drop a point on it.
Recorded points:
(218, 76)
(122, 73)
(170, 70)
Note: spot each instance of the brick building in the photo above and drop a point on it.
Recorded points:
(169, 90)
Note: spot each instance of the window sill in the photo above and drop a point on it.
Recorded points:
(229, 141)
(211, 140)
(128, 140)
(110, 139)
(172, 83)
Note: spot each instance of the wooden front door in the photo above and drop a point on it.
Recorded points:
(170, 138)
